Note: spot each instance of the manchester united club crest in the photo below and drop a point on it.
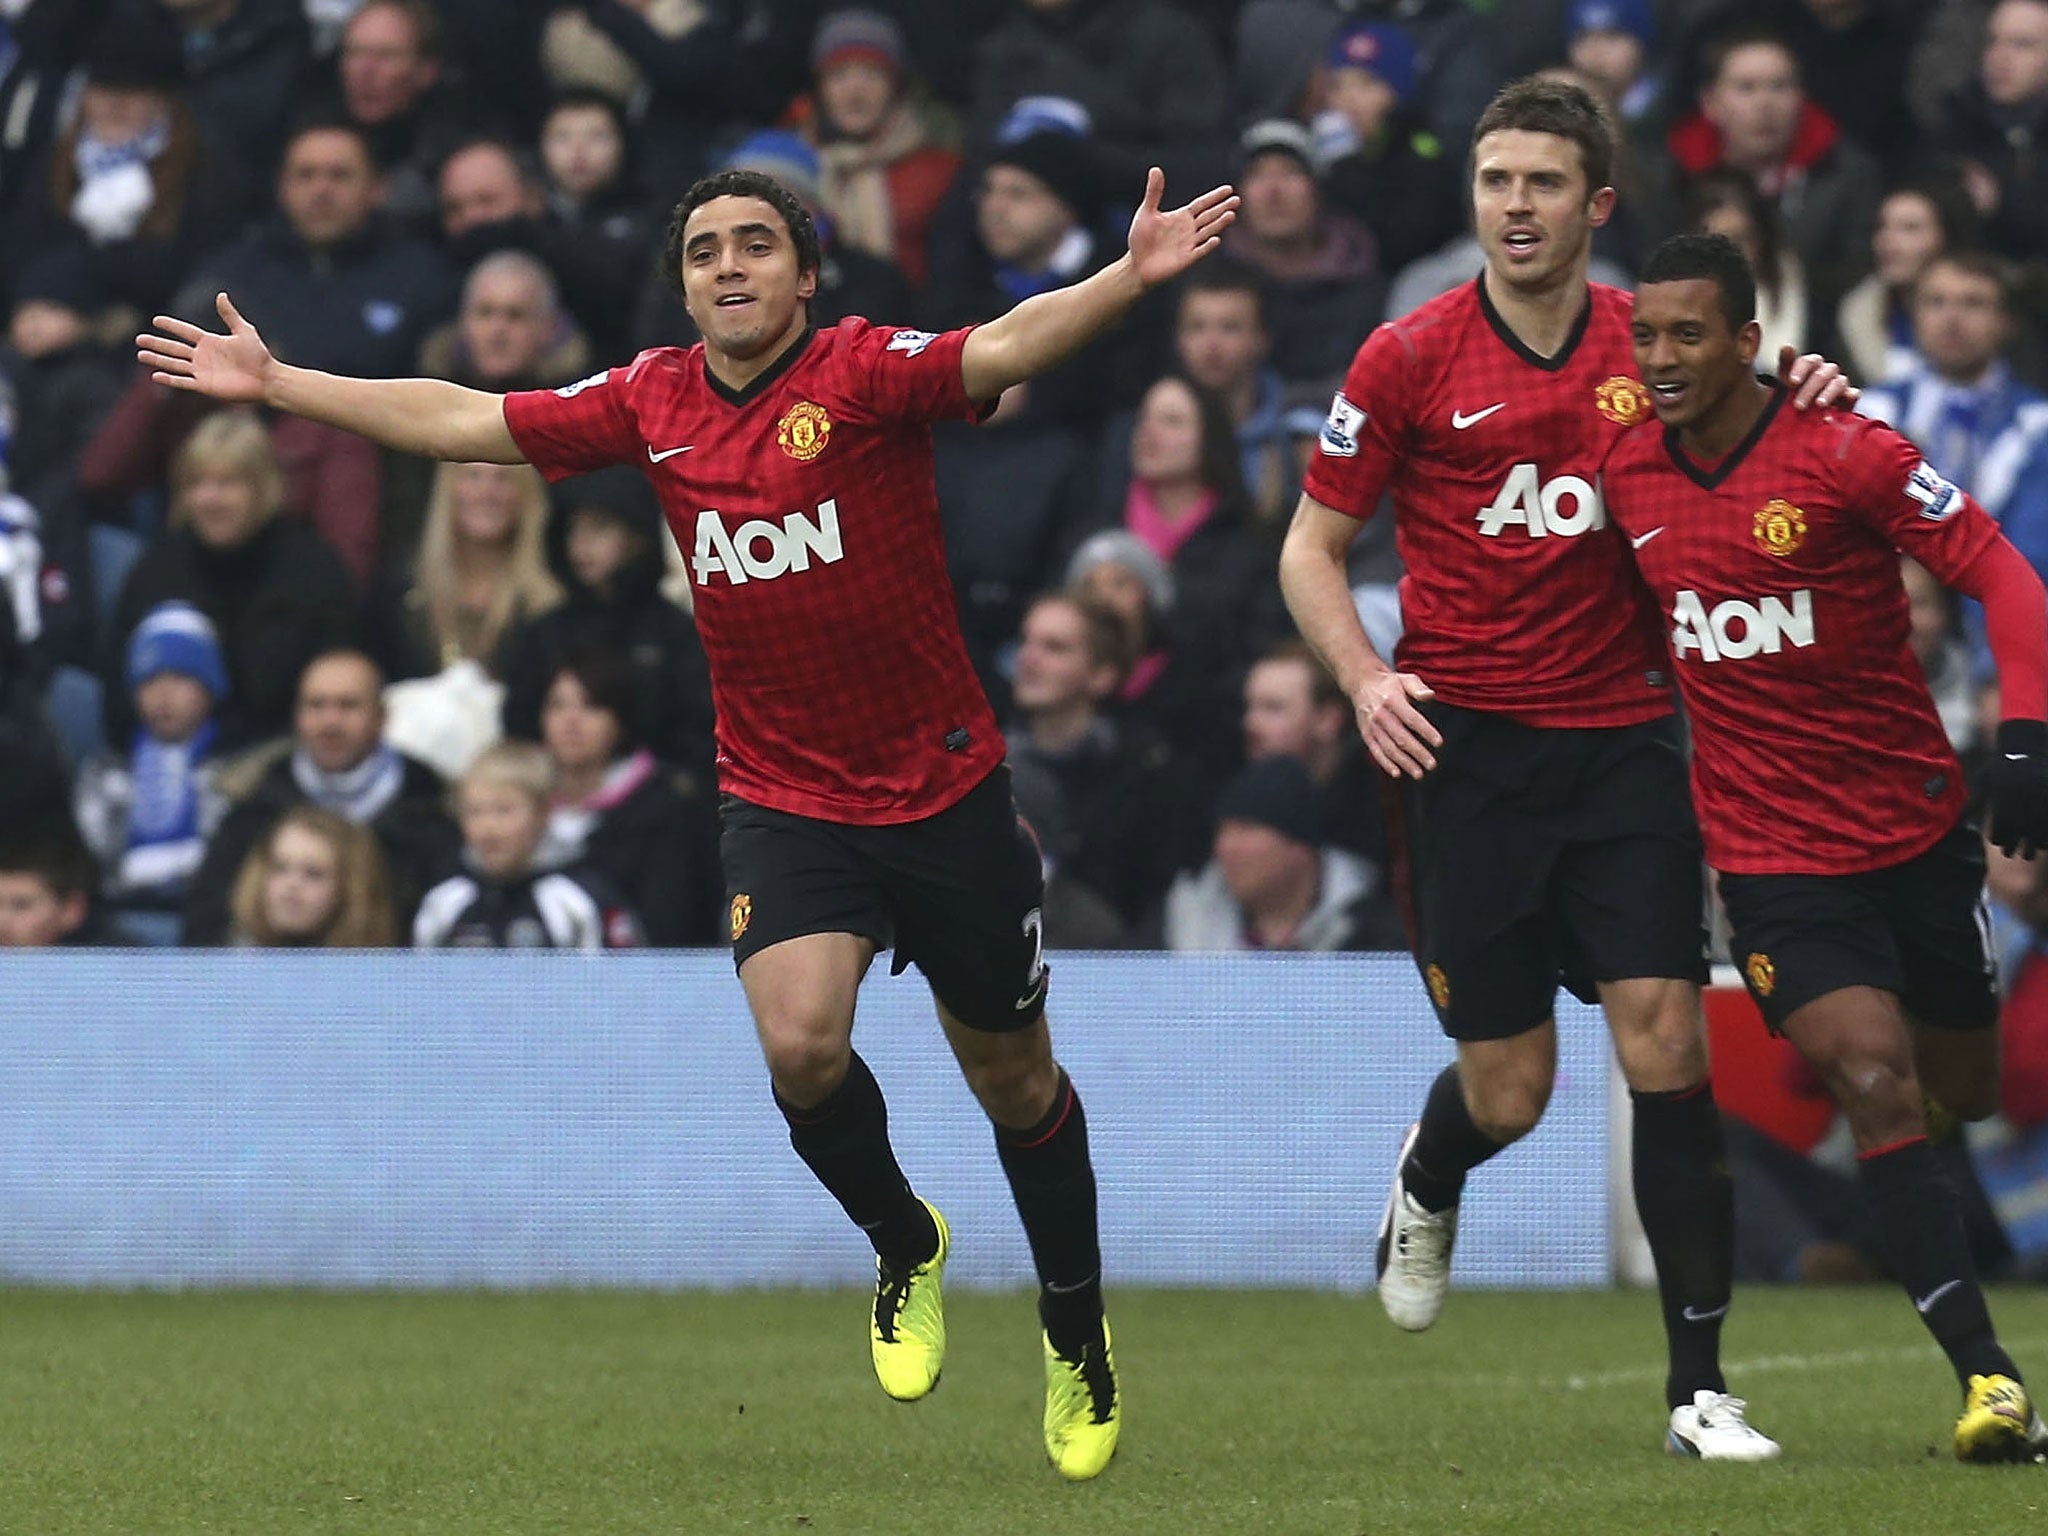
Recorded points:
(1622, 401)
(1763, 976)
(1439, 986)
(1780, 527)
(742, 914)
(804, 431)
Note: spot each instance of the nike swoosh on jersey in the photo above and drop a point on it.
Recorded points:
(666, 453)
(1639, 543)
(1460, 421)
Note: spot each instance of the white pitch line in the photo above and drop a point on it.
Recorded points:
(1760, 1365)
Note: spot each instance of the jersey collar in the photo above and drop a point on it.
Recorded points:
(1522, 349)
(766, 377)
(1709, 479)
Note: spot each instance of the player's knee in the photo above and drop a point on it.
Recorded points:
(805, 1063)
(1013, 1089)
(1507, 1111)
(1877, 1092)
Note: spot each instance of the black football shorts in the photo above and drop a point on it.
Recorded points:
(959, 895)
(1917, 930)
(1532, 856)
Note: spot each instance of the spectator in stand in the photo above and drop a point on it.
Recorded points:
(650, 831)
(276, 594)
(1273, 883)
(1916, 222)
(1610, 42)
(44, 46)
(602, 231)
(481, 569)
(390, 83)
(339, 286)
(1995, 125)
(1754, 115)
(46, 891)
(850, 282)
(509, 896)
(1382, 164)
(338, 761)
(64, 367)
(245, 61)
(606, 537)
(883, 171)
(490, 196)
(1151, 88)
(511, 332)
(147, 810)
(1324, 288)
(1727, 201)
(314, 880)
(130, 192)
(1294, 708)
(1938, 647)
(1978, 424)
(1126, 825)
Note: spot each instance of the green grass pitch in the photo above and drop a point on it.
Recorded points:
(599, 1412)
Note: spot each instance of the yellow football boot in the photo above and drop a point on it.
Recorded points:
(907, 1334)
(1997, 1422)
(1082, 1409)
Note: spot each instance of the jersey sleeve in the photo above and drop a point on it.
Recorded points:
(899, 375)
(577, 428)
(1906, 501)
(1363, 435)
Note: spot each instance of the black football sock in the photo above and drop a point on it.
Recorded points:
(1686, 1200)
(1916, 1211)
(844, 1140)
(1053, 1183)
(1447, 1147)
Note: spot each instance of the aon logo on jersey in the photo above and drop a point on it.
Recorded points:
(1564, 506)
(760, 550)
(1736, 631)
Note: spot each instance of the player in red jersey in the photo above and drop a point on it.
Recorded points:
(1529, 724)
(1829, 797)
(865, 800)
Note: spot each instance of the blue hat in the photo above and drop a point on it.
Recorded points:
(786, 156)
(1382, 47)
(1044, 114)
(1630, 16)
(176, 637)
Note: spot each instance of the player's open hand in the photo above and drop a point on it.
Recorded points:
(1814, 380)
(232, 367)
(1166, 242)
(1397, 734)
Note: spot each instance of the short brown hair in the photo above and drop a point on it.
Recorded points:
(1542, 105)
(1109, 643)
(1982, 264)
(1323, 692)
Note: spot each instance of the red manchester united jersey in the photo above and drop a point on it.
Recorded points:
(805, 508)
(1816, 748)
(1518, 597)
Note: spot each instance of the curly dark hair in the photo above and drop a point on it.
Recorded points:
(1715, 258)
(796, 218)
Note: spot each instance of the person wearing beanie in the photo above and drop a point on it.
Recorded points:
(1321, 265)
(883, 173)
(1273, 882)
(147, 813)
(1383, 165)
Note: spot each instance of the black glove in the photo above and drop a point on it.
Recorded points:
(2016, 788)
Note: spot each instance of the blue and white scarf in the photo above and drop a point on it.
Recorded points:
(165, 838)
(358, 794)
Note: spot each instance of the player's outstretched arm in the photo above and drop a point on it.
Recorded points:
(1048, 327)
(2015, 622)
(424, 416)
(1318, 593)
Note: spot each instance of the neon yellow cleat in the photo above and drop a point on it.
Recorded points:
(907, 1334)
(1996, 1422)
(1083, 1410)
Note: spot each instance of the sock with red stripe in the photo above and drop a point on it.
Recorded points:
(1923, 1233)
(1053, 1182)
(844, 1140)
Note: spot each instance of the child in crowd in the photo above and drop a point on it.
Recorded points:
(315, 881)
(146, 814)
(508, 898)
(46, 889)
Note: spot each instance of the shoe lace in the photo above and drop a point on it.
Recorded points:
(1424, 1236)
(1724, 1413)
(892, 1290)
(1091, 1378)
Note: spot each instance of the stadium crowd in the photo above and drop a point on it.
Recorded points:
(264, 683)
